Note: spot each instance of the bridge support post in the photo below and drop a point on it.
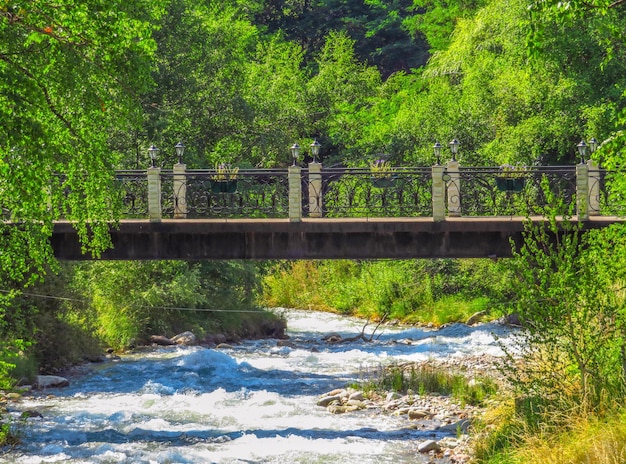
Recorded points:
(582, 191)
(316, 198)
(454, 189)
(439, 193)
(154, 194)
(180, 191)
(295, 193)
(594, 188)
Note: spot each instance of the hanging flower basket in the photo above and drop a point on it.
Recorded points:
(510, 184)
(382, 174)
(223, 186)
(383, 182)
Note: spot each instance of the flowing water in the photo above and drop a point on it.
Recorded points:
(254, 403)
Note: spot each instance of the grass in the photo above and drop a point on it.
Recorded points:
(404, 291)
(449, 308)
(586, 440)
(505, 437)
(427, 379)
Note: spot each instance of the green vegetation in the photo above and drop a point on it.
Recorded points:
(86, 86)
(425, 291)
(568, 376)
(586, 440)
(426, 379)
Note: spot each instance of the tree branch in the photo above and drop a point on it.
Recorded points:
(45, 93)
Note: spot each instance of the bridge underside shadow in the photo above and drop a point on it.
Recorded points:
(259, 239)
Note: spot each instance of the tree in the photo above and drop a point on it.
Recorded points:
(71, 73)
(342, 87)
(201, 58)
(570, 300)
(376, 27)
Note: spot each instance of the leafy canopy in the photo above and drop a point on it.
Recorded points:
(71, 74)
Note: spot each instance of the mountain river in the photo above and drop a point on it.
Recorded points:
(252, 403)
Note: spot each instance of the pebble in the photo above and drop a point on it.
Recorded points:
(435, 412)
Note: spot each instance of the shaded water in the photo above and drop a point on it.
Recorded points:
(255, 403)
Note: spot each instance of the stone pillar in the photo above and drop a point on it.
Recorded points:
(154, 194)
(594, 187)
(180, 191)
(582, 192)
(316, 199)
(439, 193)
(295, 194)
(454, 189)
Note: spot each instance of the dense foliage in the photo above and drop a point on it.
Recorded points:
(425, 291)
(87, 85)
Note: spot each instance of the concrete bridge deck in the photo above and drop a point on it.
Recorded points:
(345, 238)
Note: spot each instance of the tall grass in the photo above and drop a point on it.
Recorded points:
(425, 379)
(425, 291)
(579, 440)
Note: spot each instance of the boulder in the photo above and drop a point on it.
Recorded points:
(458, 427)
(357, 395)
(287, 343)
(513, 319)
(224, 346)
(161, 340)
(51, 381)
(31, 413)
(332, 338)
(185, 338)
(415, 414)
(428, 446)
(325, 401)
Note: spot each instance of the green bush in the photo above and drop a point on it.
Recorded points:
(423, 291)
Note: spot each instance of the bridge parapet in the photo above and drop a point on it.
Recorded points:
(315, 192)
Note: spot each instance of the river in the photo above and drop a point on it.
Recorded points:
(254, 403)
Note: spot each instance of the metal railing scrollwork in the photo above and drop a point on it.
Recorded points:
(132, 193)
(405, 192)
(252, 194)
(361, 192)
(487, 191)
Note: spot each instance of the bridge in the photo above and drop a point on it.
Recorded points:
(353, 213)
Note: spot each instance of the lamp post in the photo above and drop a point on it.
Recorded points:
(315, 149)
(582, 151)
(437, 149)
(180, 150)
(180, 184)
(593, 145)
(295, 152)
(152, 151)
(454, 148)
(295, 186)
(154, 187)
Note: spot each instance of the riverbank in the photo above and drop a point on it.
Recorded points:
(257, 401)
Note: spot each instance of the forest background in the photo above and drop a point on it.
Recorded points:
(87, 86)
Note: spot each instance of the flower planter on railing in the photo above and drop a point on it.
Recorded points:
(382, 174)
(510, 184)
(383, 182)
(223, 186)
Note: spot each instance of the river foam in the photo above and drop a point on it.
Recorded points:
(253, 403)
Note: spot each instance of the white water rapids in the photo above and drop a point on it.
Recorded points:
(255, 403)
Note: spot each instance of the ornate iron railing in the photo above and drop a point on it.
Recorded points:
(132, 191)
(359, 192)
(405, 192)
(252, 194)
(489, 191)
(607, 187)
